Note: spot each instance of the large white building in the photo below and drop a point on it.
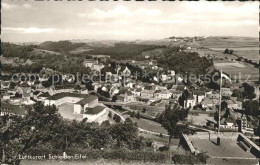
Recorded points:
(95, 113)
(88, 102)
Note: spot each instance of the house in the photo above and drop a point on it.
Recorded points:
(226, 93)
(6, 96)
(9, 109)
(176, 94)
(93, 114)
(208, 103)
(36, 94)
(126, 72)
(43, 77)
(232, 104)
(162, 94)
(60, 89)
(172, 72)
(198, 95)
(43, 96)
(25, 92)
(89, 101)
(126, 97)
(97, 67)
(213, 95)
(163, 77)
(130, 84)
(147, 93)
(179, 87)
(189, 102)
(89, 63)
(113, 90)
(137, 92)
(5, 84)
(146, 57)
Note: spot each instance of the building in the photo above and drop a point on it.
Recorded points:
(232, 104)
(126, 97)
(208, 103)
(176, 94)
(162, 94)
(89, 63)
(25, 92)
(61, 98)
(189, 102)
(6, 96)
(226, 92)
(199, 96)
(147, 93)
(9, 109)
(89, 101)
(60, 89)
(93, 114)
(126, 71)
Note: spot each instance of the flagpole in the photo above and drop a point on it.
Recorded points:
(219, 110)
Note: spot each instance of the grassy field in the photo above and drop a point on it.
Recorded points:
(243, 46)
(236, 68)
(147, 124)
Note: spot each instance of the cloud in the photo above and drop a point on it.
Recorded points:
(120, 12)
(171, 21)
(8, 6)
(27, 6)
(30, 30)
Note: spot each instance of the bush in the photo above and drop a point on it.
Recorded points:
(109, 114)
(132, 114)
(117, 118)
(190, 159)
(137, 115)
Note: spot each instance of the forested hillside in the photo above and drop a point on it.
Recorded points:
(60, 46)
(124, 51)
(182, 62)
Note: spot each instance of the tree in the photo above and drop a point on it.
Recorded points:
(117, 118)
(251, 107)
(144, 110)
(132, 114)
(169, 120)
(237, 93)
(124, 133)
(137, 115)
(109, 114)
(249, 91)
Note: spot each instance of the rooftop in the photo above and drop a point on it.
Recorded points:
(66, 94)
(87, 100)
(95, 110)
(15, 109)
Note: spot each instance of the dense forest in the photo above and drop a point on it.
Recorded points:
(182, 62)
(43, 131)
(122, 51)
(12, 50)
(61, 46)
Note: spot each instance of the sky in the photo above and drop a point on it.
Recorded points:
(35, 21)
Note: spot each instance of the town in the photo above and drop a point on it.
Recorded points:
(129, 82)
(116, 90)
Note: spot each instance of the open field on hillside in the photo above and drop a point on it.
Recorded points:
(235, 68)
